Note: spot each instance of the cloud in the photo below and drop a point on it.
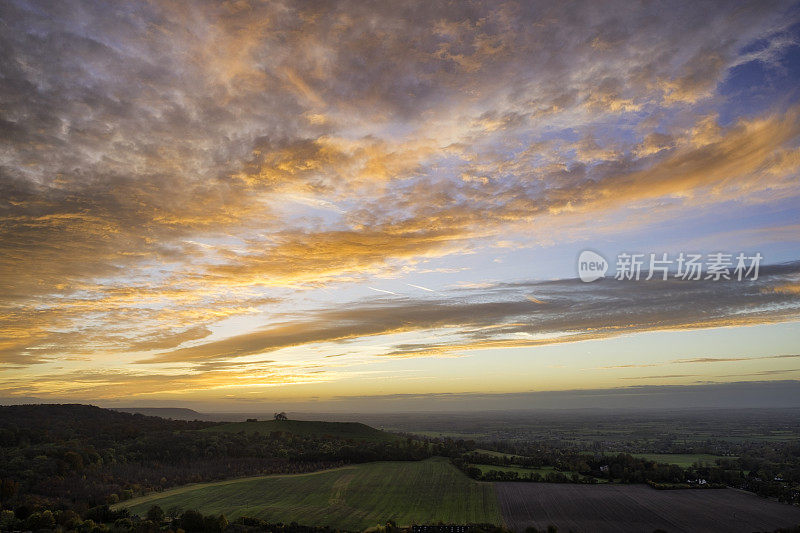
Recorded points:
(663, 376)
(168, 169)
(96, 384)
(430, 219)
(505, 317)
(701, 360)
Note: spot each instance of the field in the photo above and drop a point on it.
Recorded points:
(680, 459)
(635, 508)
(683, 460)
(339, 430)
(630, 431)
(353, 497)
(493, 453)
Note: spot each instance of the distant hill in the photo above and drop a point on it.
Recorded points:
(175, 413)
(340, 430)
(51, 422)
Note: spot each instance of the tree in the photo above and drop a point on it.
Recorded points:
(123, 524)
(215, 524)
(43, 520)
(9, 521)
(281, 416)
(155, 514)
(192, 520)
(7, 489)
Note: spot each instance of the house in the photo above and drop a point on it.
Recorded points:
(439, 529)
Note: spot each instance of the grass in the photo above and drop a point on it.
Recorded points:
(680, 459)
(450, 434)
(494, 453)
(339, 430)
(354, 497)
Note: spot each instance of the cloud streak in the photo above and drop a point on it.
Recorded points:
(505, 317)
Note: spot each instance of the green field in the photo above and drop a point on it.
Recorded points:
(494, 453)
(447, 434)
(680, 459)
(354, 497)
(339, 430)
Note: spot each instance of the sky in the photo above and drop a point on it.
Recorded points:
(317, 204)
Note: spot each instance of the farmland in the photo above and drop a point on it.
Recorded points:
(659, 431)
(681, 459)
(620, 508)
(493, 453)
(351, 476)
(431, 491)
(353, 497)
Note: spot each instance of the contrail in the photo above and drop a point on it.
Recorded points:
(381, 290)
(419, 287)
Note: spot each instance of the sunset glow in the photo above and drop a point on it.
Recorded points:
(313, 205)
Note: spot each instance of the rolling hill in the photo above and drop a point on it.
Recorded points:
(175, 413)
(339, 430)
